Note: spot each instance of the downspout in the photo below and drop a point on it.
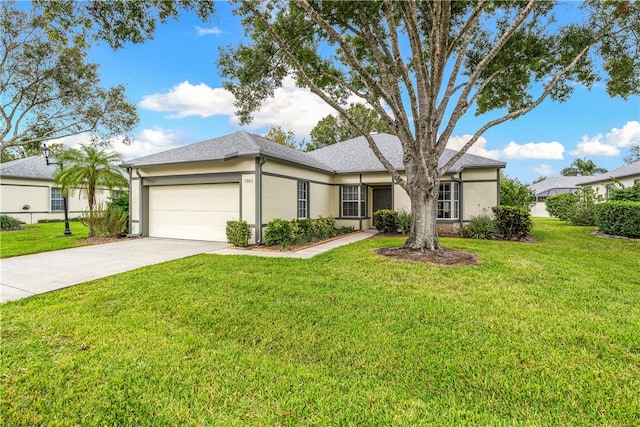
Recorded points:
(139, 233)
(259, 162)
(460, 198)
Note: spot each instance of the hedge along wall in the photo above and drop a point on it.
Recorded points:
(619, 218)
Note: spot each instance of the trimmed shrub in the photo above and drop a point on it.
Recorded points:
(512, 223)
(480, 227)
(297, 231)
(404, 222)
(9, 223)
(279, 232)
(238, 233)
(109, 222)
(344, 230)
(561, 206)
(619, 218)
(629, 194)
(121, 202)
(386, 221)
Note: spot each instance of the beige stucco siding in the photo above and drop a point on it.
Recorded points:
(601, 186)
(229, 166)
(16, 194)
(323, 200)
(134, 206)
(478, 198)
(248, 198)
(279, 198)
(294, 172)
(401, 199)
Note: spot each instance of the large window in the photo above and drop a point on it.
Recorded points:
(448, 200)
(303, 199)
(57, 203)
(353, 201)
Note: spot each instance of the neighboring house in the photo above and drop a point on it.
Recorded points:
(627, 175)
(28, 193)
(552, 186)
(192, 191)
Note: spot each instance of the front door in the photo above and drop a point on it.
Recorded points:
(382, 198)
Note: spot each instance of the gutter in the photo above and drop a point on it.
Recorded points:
(139, 233)
(260, 161)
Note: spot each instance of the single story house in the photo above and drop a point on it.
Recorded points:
(627, 175)
(28, 193)
(550, 187)
(191, 192)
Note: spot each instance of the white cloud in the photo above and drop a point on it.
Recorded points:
(479, 148)
(291, 107)
(609, 144)
(533, 150)
(186, 100)
(151, 141)
(543, 170)
(206, 31)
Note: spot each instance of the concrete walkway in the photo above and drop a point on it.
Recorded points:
(27, 275)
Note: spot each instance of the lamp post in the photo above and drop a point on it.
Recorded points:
(47, 152)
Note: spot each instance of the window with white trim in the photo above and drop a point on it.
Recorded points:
(448, 200)
(353, 201)
(303, 199)
(57, 202)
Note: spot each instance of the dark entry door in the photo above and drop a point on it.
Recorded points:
(382, 198)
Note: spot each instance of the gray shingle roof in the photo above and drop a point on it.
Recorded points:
(239, 144)
(628, 170)
(34, 167)
(354, 155)
(556, 185)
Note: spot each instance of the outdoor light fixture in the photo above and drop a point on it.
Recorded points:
(47, 152)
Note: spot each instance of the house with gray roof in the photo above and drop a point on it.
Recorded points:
(191, 192)
(627, 175)
(28, 193)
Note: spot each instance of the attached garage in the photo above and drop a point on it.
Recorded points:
(194, 212)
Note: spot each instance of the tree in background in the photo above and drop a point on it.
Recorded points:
(49, 90)
(89, 168)
(332, 129)
(422, 66)
(514, 193)
(582, 167)
(275, 133)
(633, 155)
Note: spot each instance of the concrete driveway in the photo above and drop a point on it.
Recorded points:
(28, 275)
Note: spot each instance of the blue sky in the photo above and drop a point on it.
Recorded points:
(174, 82)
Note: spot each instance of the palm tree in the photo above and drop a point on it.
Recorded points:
(89, 168)
(582, 167)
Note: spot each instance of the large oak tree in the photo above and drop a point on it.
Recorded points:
(422, 65)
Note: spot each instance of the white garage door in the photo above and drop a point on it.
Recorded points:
(195, 212)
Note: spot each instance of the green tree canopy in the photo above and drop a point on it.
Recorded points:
(89, 168)
(332, 129)
(582, 167)
(50, 90)
(514, 193)
(633, 155)
(422, 66)
(275, 133)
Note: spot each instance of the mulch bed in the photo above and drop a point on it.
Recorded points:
(443, 256)
(98, 240)
(611, 236)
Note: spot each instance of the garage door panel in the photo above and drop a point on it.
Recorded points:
(197, 212)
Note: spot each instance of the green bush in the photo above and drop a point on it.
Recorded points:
(619, 218)
(629, 194)
(9, 223)
(106, 222)
(121, 202)
(279, 232)
(480, 227)
(404, 222)
(238, 233)
(512, 223)
(297, 231)
(584, 212)
(514, 193)
(561, 205)
(386, 221)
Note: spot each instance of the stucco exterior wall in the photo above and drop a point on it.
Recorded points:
(229, 166)
(17, 194)
(601, 186)
(478, 198)
(279, 198)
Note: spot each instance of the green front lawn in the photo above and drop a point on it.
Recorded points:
(543, 333)
(41, 237)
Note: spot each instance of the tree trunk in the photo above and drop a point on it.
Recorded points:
(424, 230)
